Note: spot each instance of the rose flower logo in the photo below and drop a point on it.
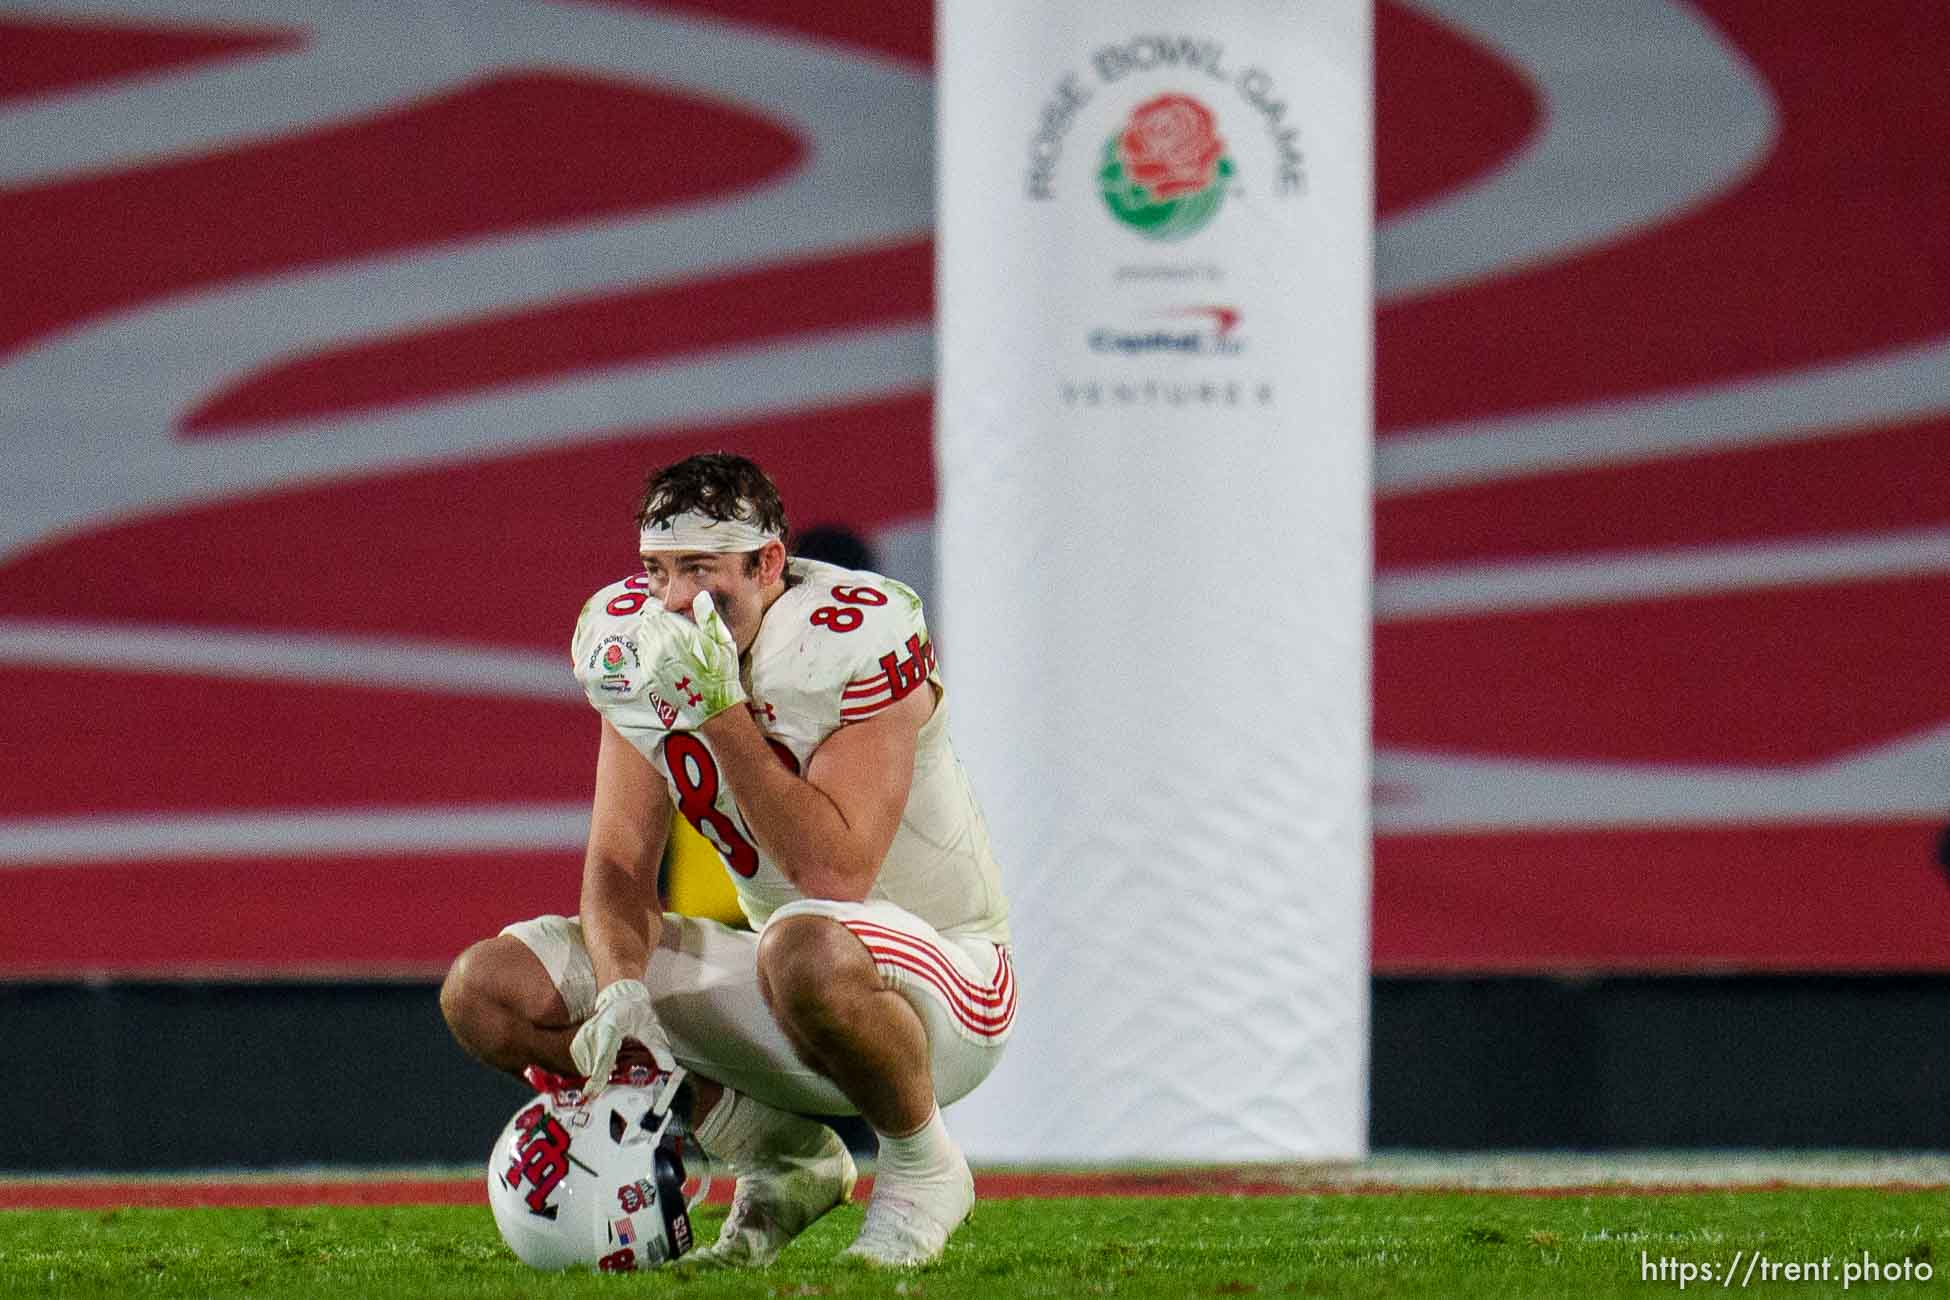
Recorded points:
(1163, 174)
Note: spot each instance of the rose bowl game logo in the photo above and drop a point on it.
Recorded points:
(615, 659)
(1164, 172)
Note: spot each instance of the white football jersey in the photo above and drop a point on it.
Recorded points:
(838, 647)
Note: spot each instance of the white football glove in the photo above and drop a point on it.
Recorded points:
(623, 1010)
(693, 666)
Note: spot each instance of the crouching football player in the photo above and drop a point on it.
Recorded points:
(790, 711)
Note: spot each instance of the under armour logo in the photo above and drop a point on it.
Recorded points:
(690, 696)
(755, 708)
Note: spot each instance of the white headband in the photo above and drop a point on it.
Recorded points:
(692, 531)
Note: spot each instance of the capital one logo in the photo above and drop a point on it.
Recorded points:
(1165, 169)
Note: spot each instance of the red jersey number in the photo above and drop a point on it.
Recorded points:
(633, 600)
(695, 774)
(841, 619)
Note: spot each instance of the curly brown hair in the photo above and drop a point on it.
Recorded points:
(717, 485)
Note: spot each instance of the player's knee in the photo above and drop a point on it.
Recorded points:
(807, 965)
(461, 993)
(492, 982)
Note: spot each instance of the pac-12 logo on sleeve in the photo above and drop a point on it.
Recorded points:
(665, 713)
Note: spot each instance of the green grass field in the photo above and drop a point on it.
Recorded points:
(1451, 1244)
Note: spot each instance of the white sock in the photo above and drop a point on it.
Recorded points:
(743, 1131)
(925, 1154)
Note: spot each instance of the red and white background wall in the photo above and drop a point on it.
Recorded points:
(335, 340)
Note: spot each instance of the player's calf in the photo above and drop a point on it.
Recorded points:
(828, 998)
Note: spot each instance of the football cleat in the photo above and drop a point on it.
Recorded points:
(908, 1223)
(777, 1199)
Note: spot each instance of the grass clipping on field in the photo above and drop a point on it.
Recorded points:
(1382, 1244)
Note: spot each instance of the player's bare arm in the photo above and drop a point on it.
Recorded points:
(620, 912)
(829, 830)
